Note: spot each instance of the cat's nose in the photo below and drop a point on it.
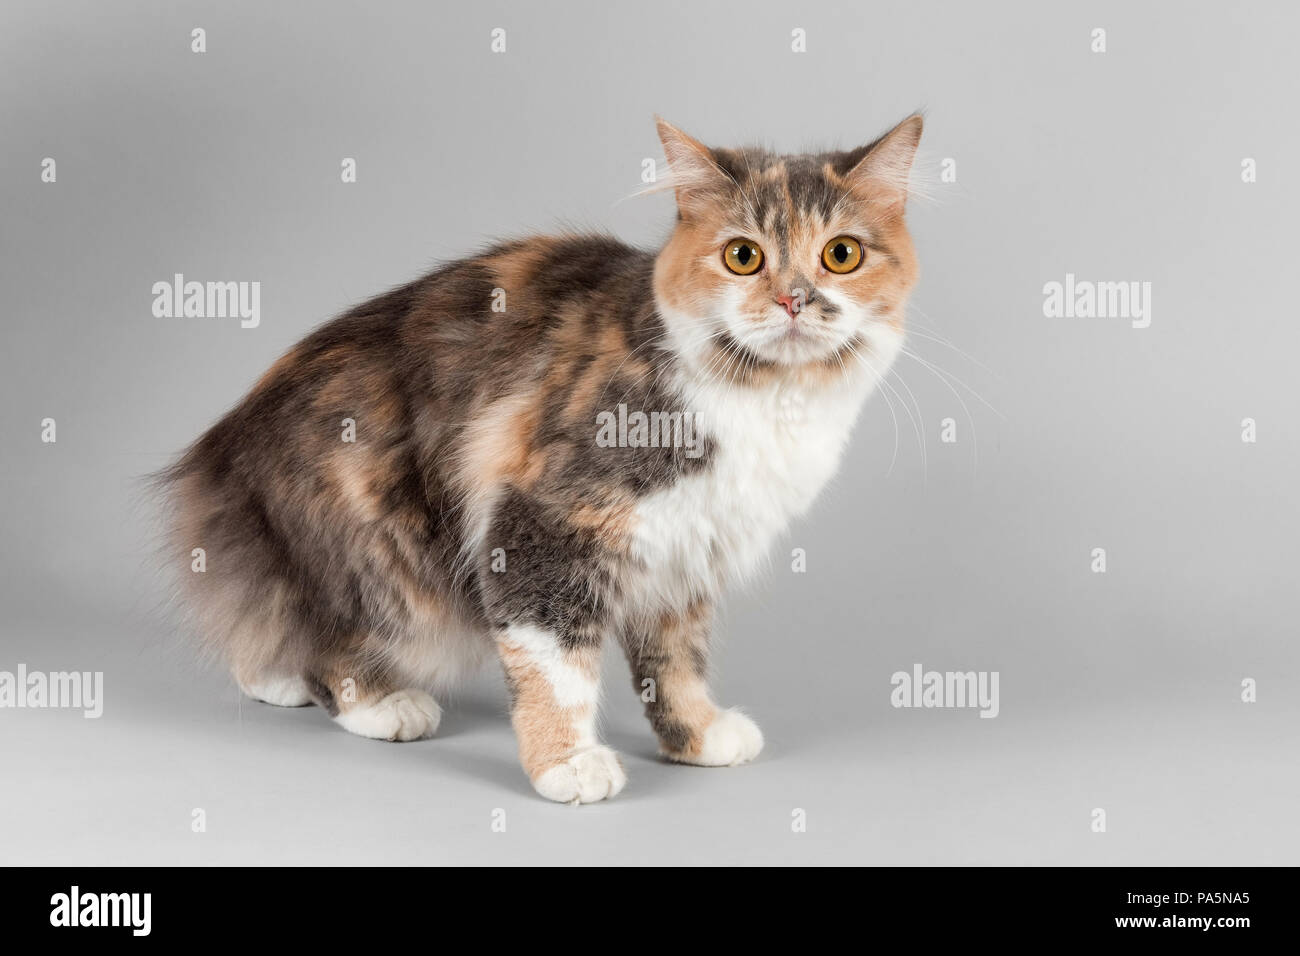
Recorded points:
(791, 303)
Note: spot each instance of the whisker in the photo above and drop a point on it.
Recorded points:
(975, 443)
(944, 372)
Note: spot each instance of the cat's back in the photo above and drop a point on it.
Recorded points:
(462, 331)
(541, 292)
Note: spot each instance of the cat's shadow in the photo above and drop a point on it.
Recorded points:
(649, 773)
(472, 713)
(474, 741)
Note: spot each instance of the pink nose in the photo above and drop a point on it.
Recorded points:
(790, 303)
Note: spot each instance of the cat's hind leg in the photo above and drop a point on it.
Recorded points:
(262, 664)
(287, 690)
(407, 714)
(368, 701)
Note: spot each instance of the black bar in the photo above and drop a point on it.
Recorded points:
(1149, 905)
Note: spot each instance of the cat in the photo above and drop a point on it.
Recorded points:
(418, 484)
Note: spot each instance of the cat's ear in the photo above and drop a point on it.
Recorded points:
(693, 173)
(882, 169)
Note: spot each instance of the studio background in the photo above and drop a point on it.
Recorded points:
(1119, 691)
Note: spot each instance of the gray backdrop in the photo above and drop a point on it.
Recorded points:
(1119, 691)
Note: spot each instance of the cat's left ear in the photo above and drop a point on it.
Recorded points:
(882, 169)
(695, 175)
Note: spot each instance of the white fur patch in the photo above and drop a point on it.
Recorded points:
(280, 691)
(587, 776)
(573, 687)
(402, 715)
(777, 446)
(731, 739)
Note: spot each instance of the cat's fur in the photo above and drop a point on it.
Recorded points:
(475, 512)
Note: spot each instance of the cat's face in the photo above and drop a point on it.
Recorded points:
(787, 261)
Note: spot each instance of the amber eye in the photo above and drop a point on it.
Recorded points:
(743, 257)
(842, 254)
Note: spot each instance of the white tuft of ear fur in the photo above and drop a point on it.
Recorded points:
(669, 179)
(692, 172)
(885, 172)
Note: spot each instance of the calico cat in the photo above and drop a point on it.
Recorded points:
(436, 475)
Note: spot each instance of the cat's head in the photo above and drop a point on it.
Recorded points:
(787, 262)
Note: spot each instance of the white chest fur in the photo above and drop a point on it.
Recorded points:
(775, 448)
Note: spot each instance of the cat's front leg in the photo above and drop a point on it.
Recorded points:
(554, 684)
(669, 661)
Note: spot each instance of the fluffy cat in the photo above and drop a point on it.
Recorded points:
(435, 477)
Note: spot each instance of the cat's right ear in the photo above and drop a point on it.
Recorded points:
(693, 173)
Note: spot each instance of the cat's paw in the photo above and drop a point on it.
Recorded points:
(279, 691)
(587, 776)
(732, 738)
(402, 715)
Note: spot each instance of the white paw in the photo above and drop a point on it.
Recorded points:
(402, 715)
(587, 776)
(731, 739)
(280, 691)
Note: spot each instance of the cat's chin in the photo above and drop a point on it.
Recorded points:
(795, 347)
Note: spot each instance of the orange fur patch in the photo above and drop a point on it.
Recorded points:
(547, 731)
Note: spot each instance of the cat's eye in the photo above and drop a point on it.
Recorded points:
(842, 254)
(743, 257)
